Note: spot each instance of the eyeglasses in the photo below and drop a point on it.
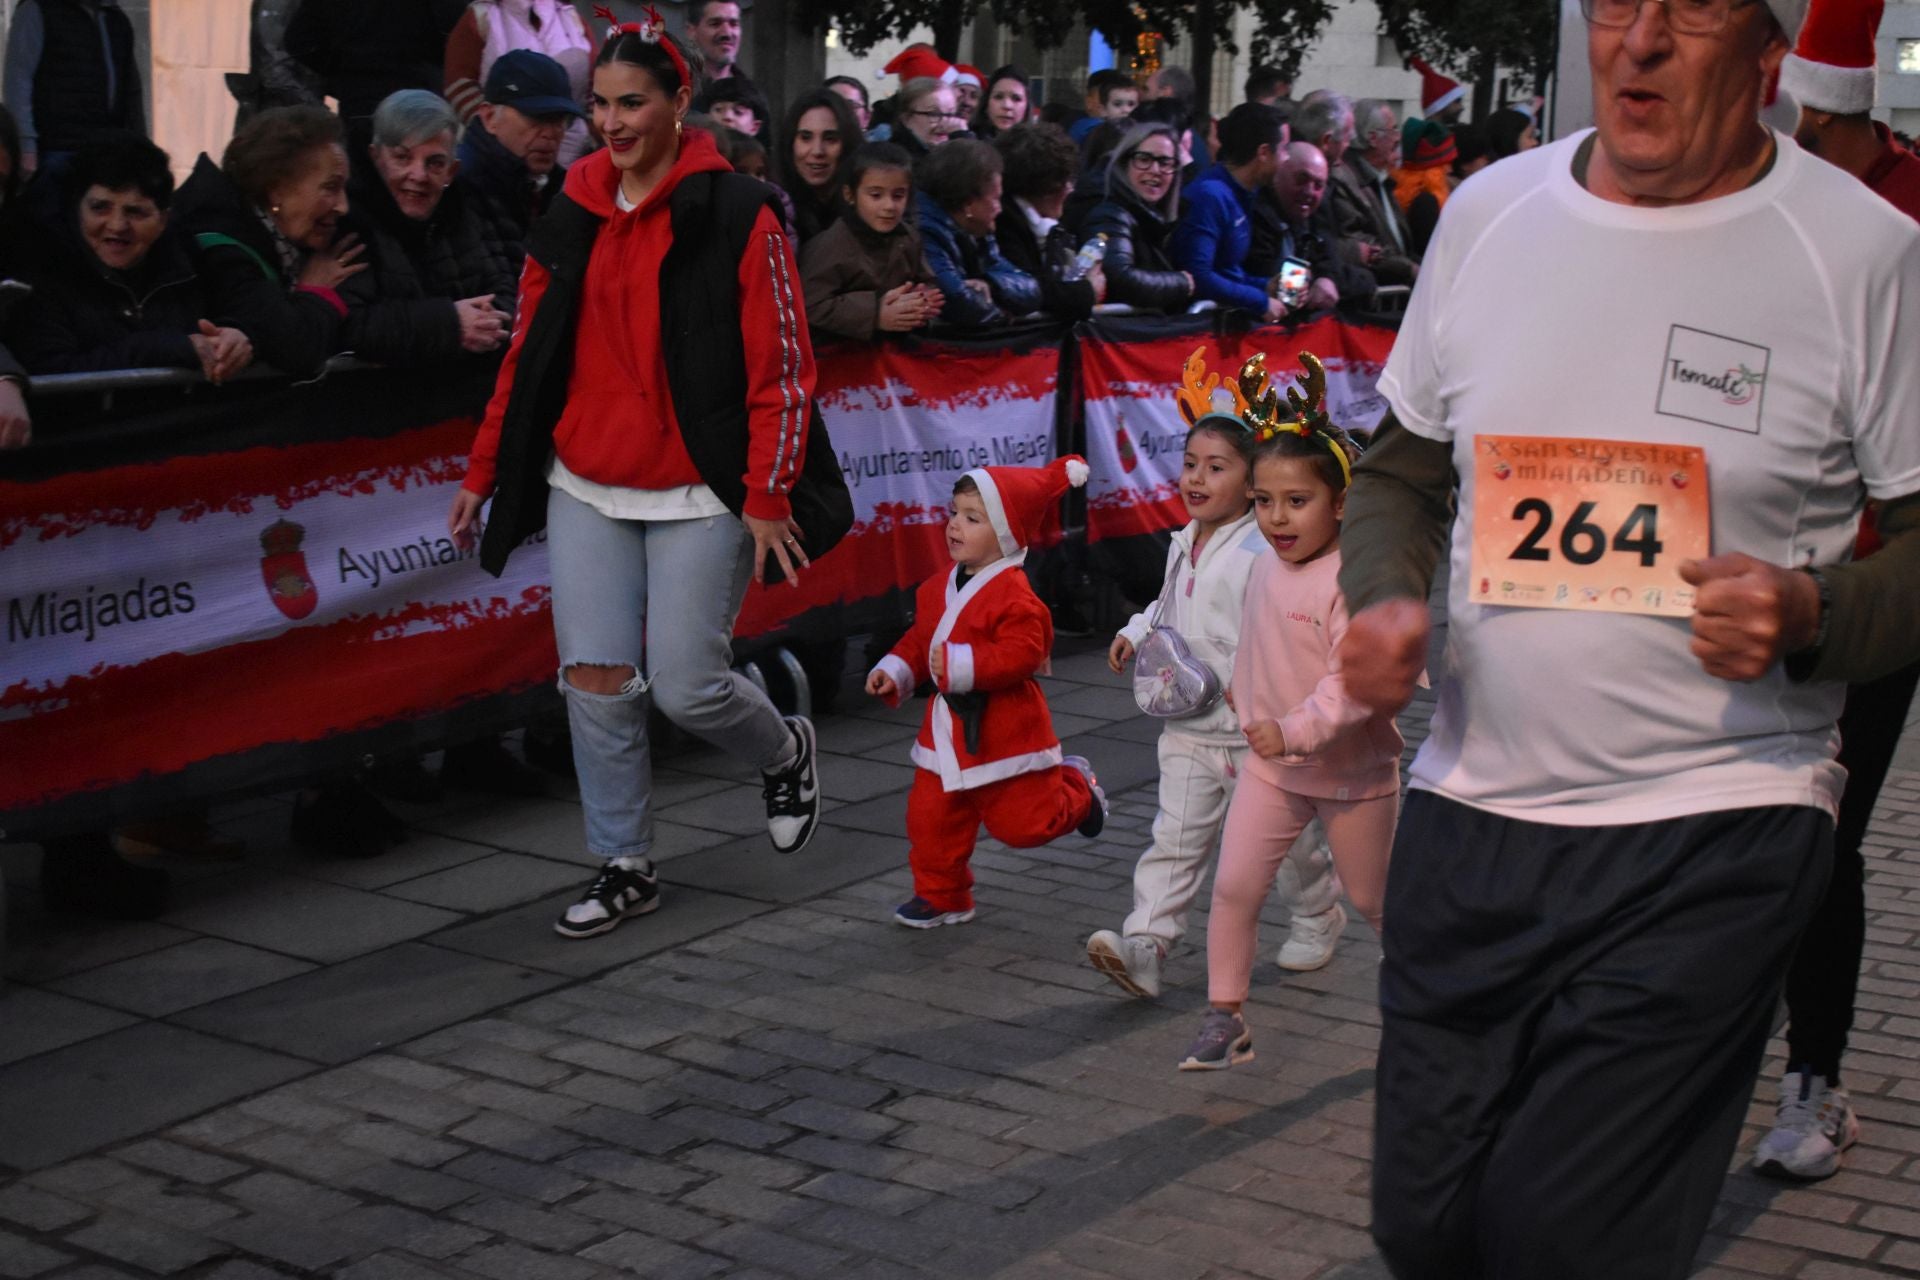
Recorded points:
(936, 115)
(1688, 17)
(1143, 161)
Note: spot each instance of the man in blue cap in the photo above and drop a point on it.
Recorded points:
(511, 150)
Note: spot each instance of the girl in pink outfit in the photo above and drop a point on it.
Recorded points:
(1314, 752)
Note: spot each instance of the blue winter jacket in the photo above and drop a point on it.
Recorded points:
(1212, 240)
(956, 257)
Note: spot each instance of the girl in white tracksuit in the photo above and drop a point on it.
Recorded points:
(1208, 566)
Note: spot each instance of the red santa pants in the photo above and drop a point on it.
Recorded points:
(1021, 812)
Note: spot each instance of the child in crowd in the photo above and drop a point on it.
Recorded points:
(736, 104)
(986, 752)
(1201, 754)
(867, 273)
(1315, 751)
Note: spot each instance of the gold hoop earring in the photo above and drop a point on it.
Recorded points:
(678, 123)
(273, 208)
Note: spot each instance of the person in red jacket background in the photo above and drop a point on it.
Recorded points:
(653, 415)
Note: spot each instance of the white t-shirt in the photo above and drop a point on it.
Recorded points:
(1545, 310)
(682, 502)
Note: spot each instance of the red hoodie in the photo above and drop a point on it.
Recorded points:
(618, 427)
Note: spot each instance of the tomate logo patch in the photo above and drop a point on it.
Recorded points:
(283, 568)
(1707, 377)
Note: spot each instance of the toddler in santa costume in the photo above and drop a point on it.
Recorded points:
(987, 753)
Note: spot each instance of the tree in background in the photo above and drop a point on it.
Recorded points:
(1285, 29)
(1473, 39)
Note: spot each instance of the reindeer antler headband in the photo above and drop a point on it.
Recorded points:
(652, 29)
(1256, 403)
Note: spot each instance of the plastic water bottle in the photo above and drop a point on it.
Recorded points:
(1090, 255)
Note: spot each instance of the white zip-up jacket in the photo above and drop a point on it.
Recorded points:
(1203, 605)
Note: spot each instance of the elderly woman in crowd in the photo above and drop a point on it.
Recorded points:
(441, 276)
(927, 114)
(264, 233)
(815, 149)
(1137, 216)
(1037, 164)
(959, 200)
(1005, 104)
(112, 287)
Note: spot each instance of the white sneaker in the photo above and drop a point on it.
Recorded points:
(1133, 962)
(1311, 940)
(1813, 1124)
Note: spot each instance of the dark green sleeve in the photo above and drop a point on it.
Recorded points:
(1875, 625)
(1397, 514)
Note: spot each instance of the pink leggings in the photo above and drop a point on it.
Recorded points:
(1262, 823)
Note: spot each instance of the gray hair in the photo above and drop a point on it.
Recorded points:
(409, 117)
(1132, 141)
(1367, 110)
(1322, 114)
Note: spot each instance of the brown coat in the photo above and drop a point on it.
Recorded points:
(847, 269)
(1362, 217)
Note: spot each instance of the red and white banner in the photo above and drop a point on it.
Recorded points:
(162, 614)
(906, 423)
(159, 615)
(1135, 435)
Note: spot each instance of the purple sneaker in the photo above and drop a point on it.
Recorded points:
(1223, 1042)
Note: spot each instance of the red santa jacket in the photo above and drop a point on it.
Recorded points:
(996, 636)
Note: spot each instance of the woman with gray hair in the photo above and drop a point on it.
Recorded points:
(442, 277)
(1137, 217)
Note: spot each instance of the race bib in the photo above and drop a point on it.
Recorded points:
(1601, 525)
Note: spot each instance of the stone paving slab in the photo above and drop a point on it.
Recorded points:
(767, 1078)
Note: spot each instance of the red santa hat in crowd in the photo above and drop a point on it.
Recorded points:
(1437, 92)
(1831, 67)
(1023, 503)
(964, 74)
(917, 60)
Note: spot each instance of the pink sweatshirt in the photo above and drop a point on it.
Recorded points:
(1287, 669)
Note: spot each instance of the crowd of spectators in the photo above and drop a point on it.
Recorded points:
(393, 228)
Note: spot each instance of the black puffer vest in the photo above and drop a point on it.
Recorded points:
(713, 216)
(70, 103)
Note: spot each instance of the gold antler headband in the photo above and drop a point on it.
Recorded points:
(1257, 402)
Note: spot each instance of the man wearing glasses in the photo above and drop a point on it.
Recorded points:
(1651, 373)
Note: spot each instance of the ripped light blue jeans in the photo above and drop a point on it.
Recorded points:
(659, 596)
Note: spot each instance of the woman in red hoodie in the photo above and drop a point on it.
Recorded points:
(654, 415)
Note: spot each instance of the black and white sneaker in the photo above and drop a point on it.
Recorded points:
(793, 794)
(616, 893)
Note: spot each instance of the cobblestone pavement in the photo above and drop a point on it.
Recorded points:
(392, 1069)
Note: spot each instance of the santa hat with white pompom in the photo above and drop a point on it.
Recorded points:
(1832, 67)
(1023, 503)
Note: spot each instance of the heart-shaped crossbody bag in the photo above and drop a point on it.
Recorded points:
(1168, 681)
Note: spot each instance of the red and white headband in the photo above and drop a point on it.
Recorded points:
(652, 29)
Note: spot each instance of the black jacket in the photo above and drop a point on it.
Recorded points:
(401, 306)
(713, 216)
(71, 106)
(363, 50)
(1140, 270)
(489, 169)
(84, 317)
(1276, 238)
(1069, 299)
(294, 330)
